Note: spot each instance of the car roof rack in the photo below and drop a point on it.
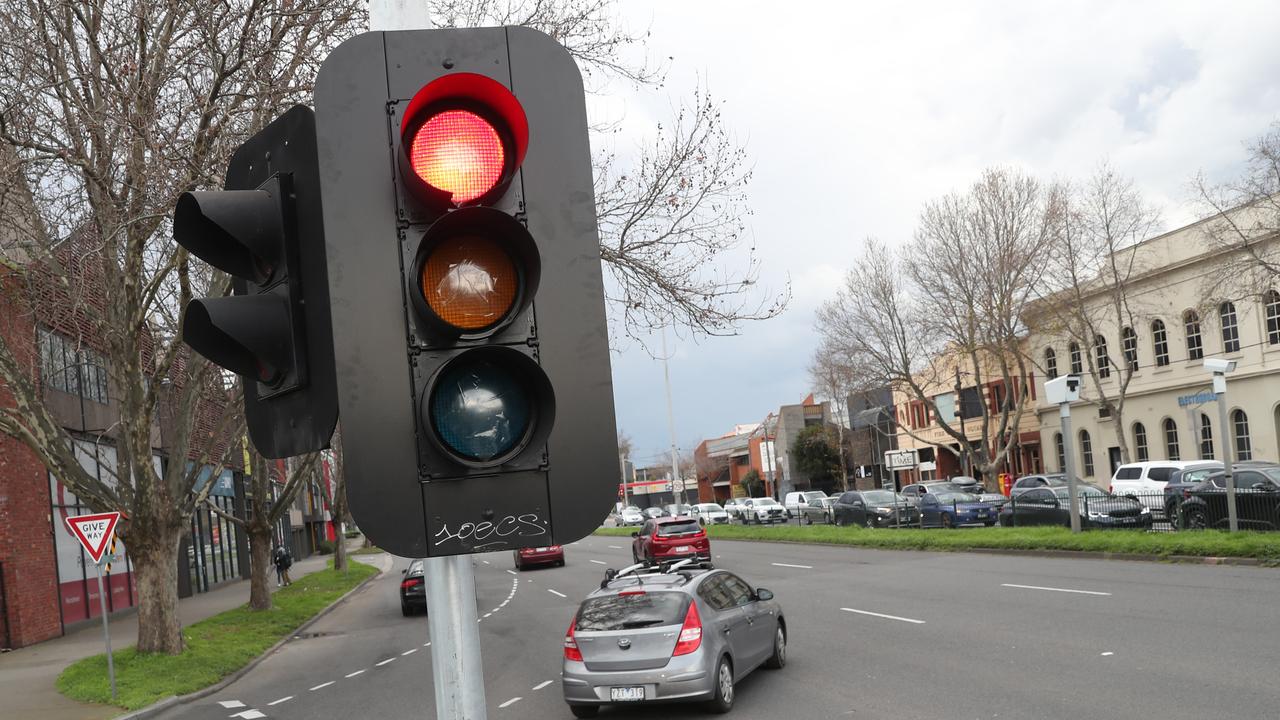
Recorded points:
(685, 568)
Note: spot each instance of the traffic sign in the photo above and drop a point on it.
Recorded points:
(94, 532)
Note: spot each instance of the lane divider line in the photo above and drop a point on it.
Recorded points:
(615, 547)
(322, 685)
(351, 675)
(557, 594)
(286, 698)
(543, 684)
(599, 562)
(384, 662)
(1054, 589)
(512, 701)
(410, 651)
(513, 572)
(882, 615)
(802, 567)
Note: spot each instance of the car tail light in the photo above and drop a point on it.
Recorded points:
(410, 583)
(627, 593)
(690, 633)
(571, 651)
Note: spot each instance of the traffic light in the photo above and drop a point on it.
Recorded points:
(265, 229)
(468, 307)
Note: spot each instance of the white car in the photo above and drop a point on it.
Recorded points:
(710, 514)
(1145, 481)
(797, 500)
(763, 510)
(631, 516)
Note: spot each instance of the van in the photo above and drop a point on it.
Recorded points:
(796, 500)
(1145, 481)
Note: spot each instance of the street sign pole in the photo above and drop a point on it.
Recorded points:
(1069, 457)
(106, 631)
(456, 666)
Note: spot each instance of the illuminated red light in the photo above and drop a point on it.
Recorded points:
(460, 153)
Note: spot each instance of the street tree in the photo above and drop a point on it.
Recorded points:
(836, 376)
(946, 311)
(334, 491)
(1085, 300)
(817, 455)
(752, 484)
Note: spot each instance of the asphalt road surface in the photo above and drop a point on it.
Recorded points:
(874, 634)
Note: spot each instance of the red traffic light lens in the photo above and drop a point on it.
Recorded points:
(470, 283)
(460, 153)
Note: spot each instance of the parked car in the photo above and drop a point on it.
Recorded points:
(1257, 500)
(710, 514)
(818, 511)
(733, 507)
(546, 555)
(875, 508)
(631, 515)
(1098, 509)
(1028, 482)
(413, 589)
(678, 509)
(762, 510)
(670, 539)
(952, 509)
(1145, 481)
(915, 490)
(794, 501)
(1183, 480)
(654, 512)
(687, 635)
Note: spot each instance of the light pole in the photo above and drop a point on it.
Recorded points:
(1220, 368)
(1063, 391)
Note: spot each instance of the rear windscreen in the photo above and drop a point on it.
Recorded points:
(679, 528)
(627, 612)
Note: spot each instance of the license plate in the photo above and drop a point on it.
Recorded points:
(683, 548)
(626, 694)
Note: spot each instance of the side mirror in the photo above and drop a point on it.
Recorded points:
(635, 534)
(762, 595)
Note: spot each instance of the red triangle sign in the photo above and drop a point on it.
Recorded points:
(94, 532)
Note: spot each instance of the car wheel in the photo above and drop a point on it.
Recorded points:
(405, 610)
(722, 700)
(584, 711)
(840, 521)
(990, 524)
(779, 657)
(947, 522)
(1195, 519)
(561, 563)
(807, 520)
(1171, 515)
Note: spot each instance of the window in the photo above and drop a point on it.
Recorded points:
(1100, 356)
(626, 611)
(71, 367)
(1160, 473)
(1129, 343)
(1271, 307)
(1077, 365)
(1240, 423)
(1171, 440)
(1195, 348)
(1062, 452)
(1230, 329)
(1160, 343)
(1129, 472)
(1206, 438)
(1050, 363)
(1140, 442)
(1086, 451)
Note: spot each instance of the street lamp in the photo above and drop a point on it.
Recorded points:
(1220, 368)
(1063, 391)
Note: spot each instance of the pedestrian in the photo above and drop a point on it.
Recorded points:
(283, 560)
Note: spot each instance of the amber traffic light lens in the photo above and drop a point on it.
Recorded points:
(470, 282)
(459, 152)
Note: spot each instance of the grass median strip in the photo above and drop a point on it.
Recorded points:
(1204, 543)
(215, 647)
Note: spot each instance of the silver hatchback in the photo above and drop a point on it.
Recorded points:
(676, 634)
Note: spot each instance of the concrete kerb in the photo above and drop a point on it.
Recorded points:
(169, 702)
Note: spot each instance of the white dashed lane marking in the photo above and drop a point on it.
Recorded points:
(1054, 589)
(599, 562)
(228, 704)
(881, 615)
(802, 567)
(1107, 654)
(322, 685)
(286, 698)
(249, 715)
(557, 594)
(384, 662)
(615, 547)
(513, 572)
(351, 675)
(512, 701)
(410, 651)
(543, 684)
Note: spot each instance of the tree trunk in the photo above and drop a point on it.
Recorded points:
(260, 566)
(155, 560)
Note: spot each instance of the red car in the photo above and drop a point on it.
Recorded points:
(548, 555)
(670, 538)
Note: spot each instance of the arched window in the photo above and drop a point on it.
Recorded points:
(1271, 309)
(1240, 423)
(1050, 363)
(1129, 344)
(1171, 450)
(1230, 328)
(1100, 356)
(1086, 452)
(1206, 437)
(1077, 364)
(1195, 346)
(1160, 343)
(1062, 452)
(1140, 442)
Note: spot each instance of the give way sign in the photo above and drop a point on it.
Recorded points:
(94, 532)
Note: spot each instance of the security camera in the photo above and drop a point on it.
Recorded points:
(1218, 365)
(1064, 389)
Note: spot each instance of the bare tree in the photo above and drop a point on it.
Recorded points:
(335, 496)
(836, 376)
(951, 303)
(1085, 297)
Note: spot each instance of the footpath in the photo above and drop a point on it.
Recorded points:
(27, 674)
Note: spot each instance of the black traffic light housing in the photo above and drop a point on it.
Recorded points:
(492, 428)
(266, 229)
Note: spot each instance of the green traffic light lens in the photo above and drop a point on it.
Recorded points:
(480, 409)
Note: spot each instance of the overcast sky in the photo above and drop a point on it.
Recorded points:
(855, 114)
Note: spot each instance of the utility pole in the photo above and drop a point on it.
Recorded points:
(676, 481)
(1220, 368)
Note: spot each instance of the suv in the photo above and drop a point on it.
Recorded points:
(680, 633)
(1257, 500)
(1145, 481)
(762, 510)
(670, 539)
(795, 502)
(733, 507)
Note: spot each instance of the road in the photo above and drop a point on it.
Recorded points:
(874, 634)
